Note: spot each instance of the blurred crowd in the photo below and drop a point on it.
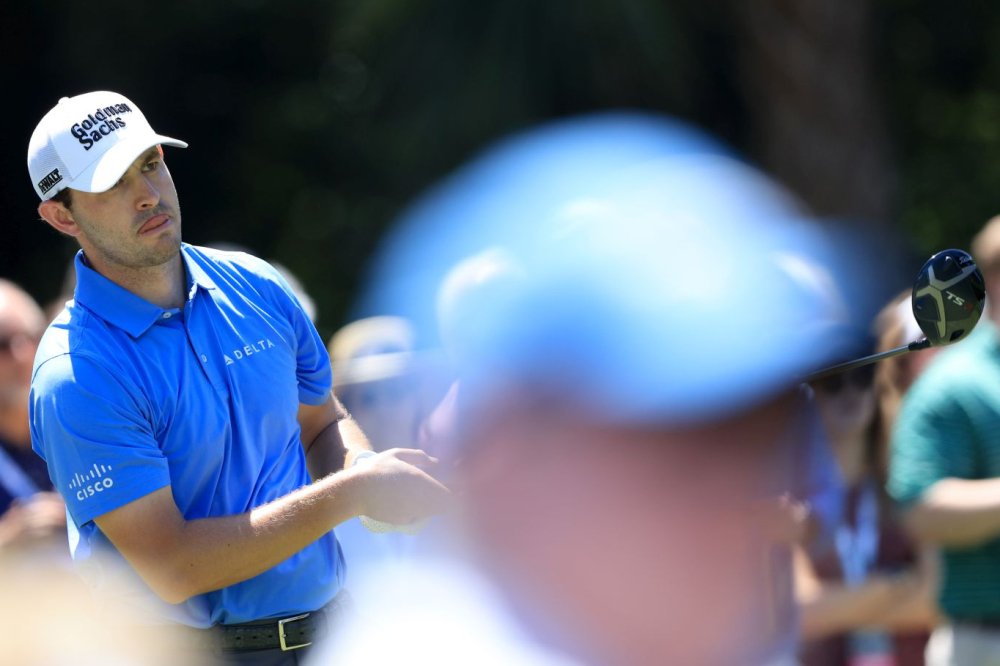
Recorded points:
(631, 493)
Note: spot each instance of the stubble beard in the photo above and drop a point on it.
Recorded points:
(130, 253)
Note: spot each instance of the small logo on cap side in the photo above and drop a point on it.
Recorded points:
(50, 180)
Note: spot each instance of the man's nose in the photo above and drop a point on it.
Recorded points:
(149, 196)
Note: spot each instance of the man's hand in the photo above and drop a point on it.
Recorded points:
(29, 521)
(398, 487)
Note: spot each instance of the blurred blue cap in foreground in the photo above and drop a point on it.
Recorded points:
(671, 285)
(503, 194)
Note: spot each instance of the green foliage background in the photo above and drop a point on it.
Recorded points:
(313, 123)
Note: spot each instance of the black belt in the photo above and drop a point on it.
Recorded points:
(287, 633)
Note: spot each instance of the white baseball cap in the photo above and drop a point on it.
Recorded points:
(87, 142)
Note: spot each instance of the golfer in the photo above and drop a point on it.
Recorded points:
(182, 403)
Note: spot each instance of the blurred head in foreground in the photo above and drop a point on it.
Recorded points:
(59, 621)
(628, 364)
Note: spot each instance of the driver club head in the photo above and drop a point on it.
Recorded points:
(948, 297)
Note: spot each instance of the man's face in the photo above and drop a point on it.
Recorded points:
(134, 225)
(21, 325)
(847, 404)
(621, 539)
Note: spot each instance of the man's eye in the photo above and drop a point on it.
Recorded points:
(152, 166)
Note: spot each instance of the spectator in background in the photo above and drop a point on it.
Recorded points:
(896, 326)
(870, 598)
(385, 384)
(30, 513)
(377, 377)
(944, 469)
(637, 455)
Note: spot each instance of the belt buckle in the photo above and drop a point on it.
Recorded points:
(285, 647)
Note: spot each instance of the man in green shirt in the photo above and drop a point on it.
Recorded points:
(945, 471)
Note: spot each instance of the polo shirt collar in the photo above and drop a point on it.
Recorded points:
(114, 304)
(120, 307)
(196, 275)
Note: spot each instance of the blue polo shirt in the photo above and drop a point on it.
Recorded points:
(127, 398)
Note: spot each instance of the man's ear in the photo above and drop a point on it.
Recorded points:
(59, 216)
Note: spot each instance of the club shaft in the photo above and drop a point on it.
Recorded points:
(857, 363)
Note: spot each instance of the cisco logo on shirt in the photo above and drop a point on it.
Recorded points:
(96, 481)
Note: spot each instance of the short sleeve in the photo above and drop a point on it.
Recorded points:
(312, 361)
(315, 378)
(932, 439)
(96, 435)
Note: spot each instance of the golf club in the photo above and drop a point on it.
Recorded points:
(948, 299)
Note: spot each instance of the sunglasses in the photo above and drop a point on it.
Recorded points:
(10, 341)
(858, 378)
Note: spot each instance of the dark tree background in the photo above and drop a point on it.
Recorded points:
(312, 123)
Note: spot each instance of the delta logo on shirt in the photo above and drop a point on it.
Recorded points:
(96, 480)
(249, 350)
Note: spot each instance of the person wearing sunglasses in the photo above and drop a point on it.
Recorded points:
(32, 516)
(868, 598)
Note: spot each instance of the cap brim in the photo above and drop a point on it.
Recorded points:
(102, 175)
(380, 367)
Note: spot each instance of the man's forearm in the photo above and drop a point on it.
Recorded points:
(205, 554)
(330, 437)
(957, 513)
(335, 447)
(269, 534)
(354, 440)
(181, 558)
